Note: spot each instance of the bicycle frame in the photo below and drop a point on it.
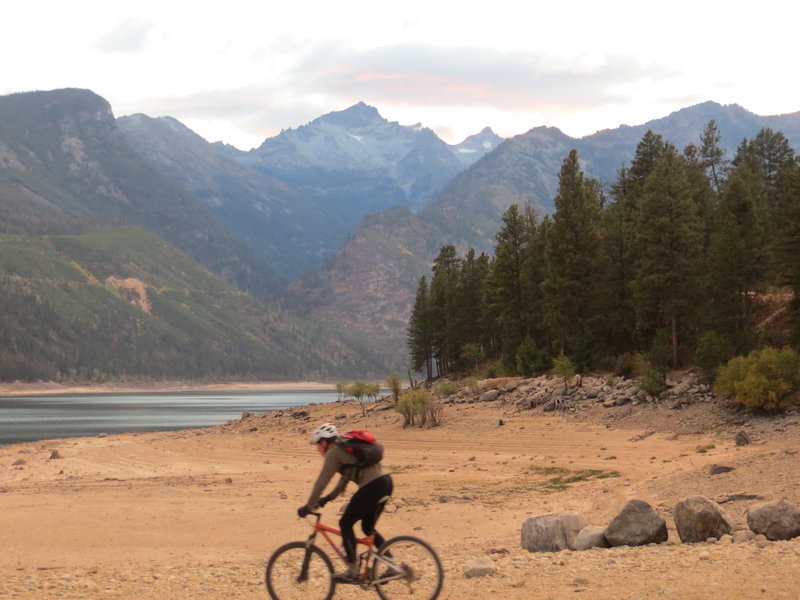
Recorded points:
(364, 562)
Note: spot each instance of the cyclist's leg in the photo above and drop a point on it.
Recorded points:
(366, 506)
(379, 495)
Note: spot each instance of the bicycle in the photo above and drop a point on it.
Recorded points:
(409, 567)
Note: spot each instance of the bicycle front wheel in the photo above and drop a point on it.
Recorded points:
(407, 567)
(295, 572)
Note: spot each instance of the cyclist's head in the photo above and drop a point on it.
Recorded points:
(325, 432)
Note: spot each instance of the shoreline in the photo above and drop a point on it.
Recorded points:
(50, 388)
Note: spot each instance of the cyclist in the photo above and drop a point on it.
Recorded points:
(366, 505)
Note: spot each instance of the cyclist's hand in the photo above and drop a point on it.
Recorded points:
(303, 511)
(323, 501)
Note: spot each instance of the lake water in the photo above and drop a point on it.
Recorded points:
(26, 418)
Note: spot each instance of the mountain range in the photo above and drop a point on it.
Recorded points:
(331, 223)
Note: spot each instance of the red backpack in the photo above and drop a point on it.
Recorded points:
(363, 445)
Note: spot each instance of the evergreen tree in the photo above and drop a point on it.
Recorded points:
(669, 248)
(735, 261)
(787, 246)
(507, 283)
(420, 337)
(471, 327)
(443, 291)
(713, 155)
(574, 265)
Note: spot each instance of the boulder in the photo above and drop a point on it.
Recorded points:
(637, 524)
(551, 533)
(776, 520)
(479, 567)
(698, 518)
(719, 469)
(591, 536)
(743, 439)
(489, 396)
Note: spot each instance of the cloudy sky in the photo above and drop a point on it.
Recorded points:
(240, 71)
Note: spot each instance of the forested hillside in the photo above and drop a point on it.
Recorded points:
(122, 304)
(688, 257)
(64, 165)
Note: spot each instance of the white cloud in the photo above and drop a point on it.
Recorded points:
(128, 36)
(243, 70)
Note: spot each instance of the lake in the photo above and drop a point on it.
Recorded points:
(29, 418)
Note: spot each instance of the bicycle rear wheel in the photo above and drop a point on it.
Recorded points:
(407, 567)
(287, 579)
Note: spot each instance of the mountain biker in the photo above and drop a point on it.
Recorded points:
(366, 505)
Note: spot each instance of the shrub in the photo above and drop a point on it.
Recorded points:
(649, 378)
(447, 388)
(420, 409)
(767, 379)
(625, 365)
(564, 367)
(394, 384)
(712, 351)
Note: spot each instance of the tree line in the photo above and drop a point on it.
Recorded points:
(674, 262)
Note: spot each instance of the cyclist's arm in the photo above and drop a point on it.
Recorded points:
(330, 466)
(340, 485)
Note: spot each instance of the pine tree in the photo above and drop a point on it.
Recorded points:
(713, 155)
(735, 261)
(470, 326)
(443, 292)
(419, 337)
(574, 265)
(787, 246)
(669, 249)
(507, 283)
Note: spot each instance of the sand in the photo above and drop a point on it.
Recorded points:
(196, 513)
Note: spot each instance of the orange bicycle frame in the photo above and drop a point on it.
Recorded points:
(328, 531)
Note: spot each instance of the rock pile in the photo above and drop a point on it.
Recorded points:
(697, 519)
(551, 393)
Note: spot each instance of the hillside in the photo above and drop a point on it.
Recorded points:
(297, 197)
(287, 230)
(467, 212)
(121, 303)
(64, 164)
(213, 497)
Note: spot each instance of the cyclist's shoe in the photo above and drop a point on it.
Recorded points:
(346, 577)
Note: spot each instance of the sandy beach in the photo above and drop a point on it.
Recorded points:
(196, 513)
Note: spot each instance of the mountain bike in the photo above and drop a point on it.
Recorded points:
(403, 567)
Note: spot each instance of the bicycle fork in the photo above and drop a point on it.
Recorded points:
(303, 576)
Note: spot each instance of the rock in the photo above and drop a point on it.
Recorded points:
(718, 469)
(775, 520)
(479, 567)
(489, 396)
(698, 518)
(743, 535)
(637, 524)
(591, 536)
(551, 533)
(743, 439)
(54, 455)
(19, 462)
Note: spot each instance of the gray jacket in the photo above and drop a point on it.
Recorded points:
(338, 460)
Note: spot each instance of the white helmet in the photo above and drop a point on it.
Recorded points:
(323, 432)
